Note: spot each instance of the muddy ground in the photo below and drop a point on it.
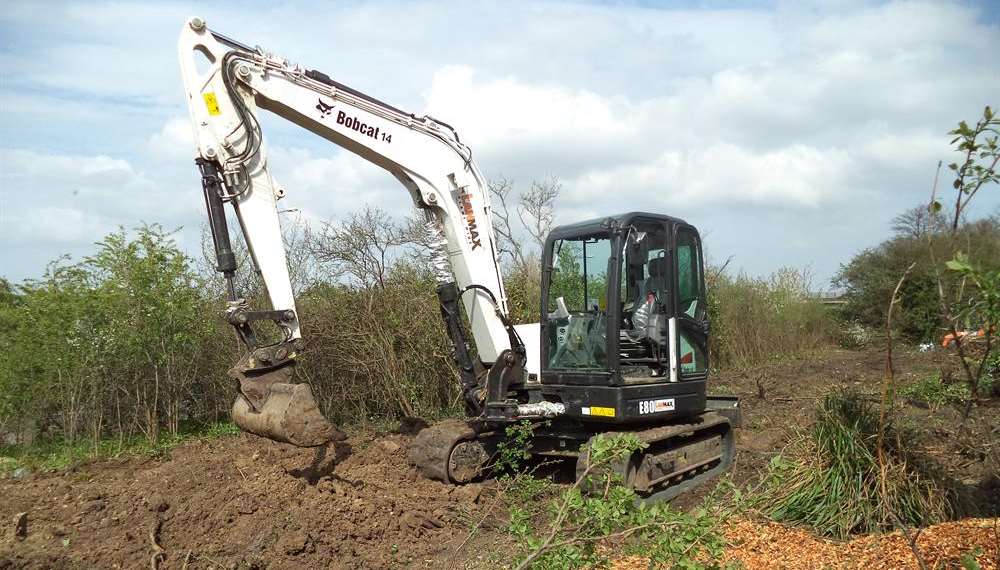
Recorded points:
(243, 502)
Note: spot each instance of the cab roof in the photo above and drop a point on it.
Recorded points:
(600, 225)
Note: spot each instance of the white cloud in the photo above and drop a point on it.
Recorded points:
(51, 225)
(325, 186)
(68, 200)
(175, 140)
(819, 121)
(798, 176)
(504, 110)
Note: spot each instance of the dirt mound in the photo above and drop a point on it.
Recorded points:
(241, 502)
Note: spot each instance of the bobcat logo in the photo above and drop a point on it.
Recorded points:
(323, 108)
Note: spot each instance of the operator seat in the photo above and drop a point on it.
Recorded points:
(656, 283)
(645, 316)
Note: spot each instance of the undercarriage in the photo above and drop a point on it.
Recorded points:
(676, 458)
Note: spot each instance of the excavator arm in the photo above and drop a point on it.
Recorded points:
(227, 83)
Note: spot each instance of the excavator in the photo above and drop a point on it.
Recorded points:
(621, 345)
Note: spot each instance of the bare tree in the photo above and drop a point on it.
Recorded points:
(918, 222)
(538, 206)
(301, 263)
(363, 246)
(507, 244)
(535, 212)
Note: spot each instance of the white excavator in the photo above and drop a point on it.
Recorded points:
(622, 339)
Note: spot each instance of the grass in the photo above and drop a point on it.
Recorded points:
(935, 393)
(837, 485)
(58, 455)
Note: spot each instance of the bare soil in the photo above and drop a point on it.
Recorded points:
(244, 502)
(968, 450)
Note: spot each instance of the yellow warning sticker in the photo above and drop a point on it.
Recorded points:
(212, 103)
(599, 411)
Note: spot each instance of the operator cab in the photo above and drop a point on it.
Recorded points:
(624, 308)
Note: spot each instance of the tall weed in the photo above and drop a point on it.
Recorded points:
(837, 485)
(758, 320)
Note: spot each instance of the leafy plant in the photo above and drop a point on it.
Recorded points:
(980, 144)
(513, 452)
(969, 559)
(980, 308)
(978, 303)
(935, 393)
(574, 524)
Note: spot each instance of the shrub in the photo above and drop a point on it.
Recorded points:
(569, 529)
(855, 335)
(870, 277)
(759, 320)
(932, 391)
(838, 486)
(513, 452)
(523, 284)
(378, 352)
(118, 342)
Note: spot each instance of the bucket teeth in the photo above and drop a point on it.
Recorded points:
(288, 413)
(270, 406)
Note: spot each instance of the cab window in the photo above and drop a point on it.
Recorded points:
(689, 277)
(691, 311)
(577, 303)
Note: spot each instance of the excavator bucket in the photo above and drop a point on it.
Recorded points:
(281, 411)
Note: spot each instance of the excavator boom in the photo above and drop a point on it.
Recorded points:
(425, 155)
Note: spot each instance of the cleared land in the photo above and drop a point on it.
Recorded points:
(248, 503)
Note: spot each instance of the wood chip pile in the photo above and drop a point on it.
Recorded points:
(755, 545)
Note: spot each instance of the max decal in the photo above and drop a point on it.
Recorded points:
(470, 220)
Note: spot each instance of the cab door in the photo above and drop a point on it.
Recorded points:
(689, 326)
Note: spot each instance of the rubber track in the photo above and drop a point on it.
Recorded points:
(707, 420)
(431, 448)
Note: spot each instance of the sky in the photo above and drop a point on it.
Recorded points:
(789, 133)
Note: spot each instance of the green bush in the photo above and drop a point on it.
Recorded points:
(870, 277)
(117, 343)
(513, 452)
(131, 340)
(380, 352)
(932, 391)
(837, 485)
